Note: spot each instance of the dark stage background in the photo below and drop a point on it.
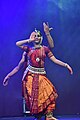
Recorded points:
(18, 18)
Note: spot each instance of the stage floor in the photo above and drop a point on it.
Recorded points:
(43, 118)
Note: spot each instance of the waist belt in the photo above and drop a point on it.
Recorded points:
(36, 70)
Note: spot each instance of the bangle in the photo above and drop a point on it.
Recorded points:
(29, 41)
(66, 65)
(47, 34)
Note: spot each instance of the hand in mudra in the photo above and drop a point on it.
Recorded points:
(46, 27)
(32, 36)
(5, 81)
(69, 68)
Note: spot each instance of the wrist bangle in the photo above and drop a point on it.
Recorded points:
(66, 65)
(29, 41)
(47, 34)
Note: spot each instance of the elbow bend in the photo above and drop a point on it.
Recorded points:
(17, 43)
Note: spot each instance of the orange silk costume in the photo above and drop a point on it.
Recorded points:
(38, 91)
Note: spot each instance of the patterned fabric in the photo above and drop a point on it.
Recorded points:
(36, 57)
(40, 94)
(38, 91)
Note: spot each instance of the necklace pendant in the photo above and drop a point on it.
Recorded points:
(37, 59)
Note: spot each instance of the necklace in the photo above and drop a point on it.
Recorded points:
(39, 46)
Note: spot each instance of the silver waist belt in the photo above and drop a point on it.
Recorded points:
(36, 70)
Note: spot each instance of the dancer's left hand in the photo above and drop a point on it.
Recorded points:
(46, 27)
(70, 69)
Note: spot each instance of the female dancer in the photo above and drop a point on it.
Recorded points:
(38, 91)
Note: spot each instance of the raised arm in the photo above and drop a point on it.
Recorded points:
(48, 35)
(22, 42)
(15, 70)
(62, 64)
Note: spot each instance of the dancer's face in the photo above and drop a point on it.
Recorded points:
(38, 38)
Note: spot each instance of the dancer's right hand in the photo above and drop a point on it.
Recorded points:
(5, 81)
(32, 36)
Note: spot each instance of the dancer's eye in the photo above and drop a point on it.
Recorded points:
(37, 36)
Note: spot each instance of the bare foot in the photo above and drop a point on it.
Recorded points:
(51, 118)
